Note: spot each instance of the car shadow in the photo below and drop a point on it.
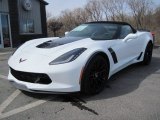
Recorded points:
(127, 80)
(124, 82)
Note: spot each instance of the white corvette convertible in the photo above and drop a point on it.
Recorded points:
(81, 61)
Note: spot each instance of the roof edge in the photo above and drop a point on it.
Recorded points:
(43, 1)
(114, 22)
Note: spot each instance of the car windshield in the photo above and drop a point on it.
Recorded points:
(96, 31)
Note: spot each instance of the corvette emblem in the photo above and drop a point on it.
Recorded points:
(21, 60)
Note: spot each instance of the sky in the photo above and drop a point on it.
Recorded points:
(56, 6)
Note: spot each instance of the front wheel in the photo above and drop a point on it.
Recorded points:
(95, 76)
(148, 54)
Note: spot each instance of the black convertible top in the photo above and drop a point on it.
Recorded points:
(113, 22)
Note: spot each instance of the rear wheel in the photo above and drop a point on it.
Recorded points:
(95, 76)
(148, 54)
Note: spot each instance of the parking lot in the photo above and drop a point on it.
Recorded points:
(132, 94)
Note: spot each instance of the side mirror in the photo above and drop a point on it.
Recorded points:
(66, 33)
(129, 37)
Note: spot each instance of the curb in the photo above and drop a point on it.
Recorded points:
(2, 50)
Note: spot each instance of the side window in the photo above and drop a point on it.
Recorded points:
(125, 30)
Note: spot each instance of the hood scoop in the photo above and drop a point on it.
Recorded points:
(58, 42)
(48, 44)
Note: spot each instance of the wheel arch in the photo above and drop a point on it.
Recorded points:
(147, 39)
(148, 42)
(146, 61)
(101, 53)
(91, 57)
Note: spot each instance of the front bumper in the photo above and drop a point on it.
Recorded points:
(64, 79)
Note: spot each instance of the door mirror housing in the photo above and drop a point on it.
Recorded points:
(66, 32)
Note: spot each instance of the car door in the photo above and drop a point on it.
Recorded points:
(125, 48)
(130, 41)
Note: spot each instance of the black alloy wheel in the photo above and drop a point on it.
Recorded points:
(95, 76)
(148, 54)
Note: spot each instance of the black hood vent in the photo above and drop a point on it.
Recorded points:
(58, 42)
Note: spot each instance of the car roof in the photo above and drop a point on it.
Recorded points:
(111, 22)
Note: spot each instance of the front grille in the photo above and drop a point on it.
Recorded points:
(38, 78)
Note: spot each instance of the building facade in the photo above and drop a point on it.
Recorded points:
(21, 20)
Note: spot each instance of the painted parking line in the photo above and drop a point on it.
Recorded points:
(8, 101)
(21, 109)
(3, 77)
(11, 98)
(6, 53)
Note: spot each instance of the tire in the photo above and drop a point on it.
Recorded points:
(95, 76)
(148, 54)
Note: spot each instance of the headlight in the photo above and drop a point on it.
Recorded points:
(68, 57)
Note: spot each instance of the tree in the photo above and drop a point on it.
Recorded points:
(54, 26)
(139, 9)
(120, 8)
(114, 9)
(157, 16)
(80, 16)
(94, 10)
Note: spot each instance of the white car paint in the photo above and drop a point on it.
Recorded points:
(66, 77)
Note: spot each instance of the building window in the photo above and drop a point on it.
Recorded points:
(27, 27)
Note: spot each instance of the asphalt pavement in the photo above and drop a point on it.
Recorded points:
(131, 94)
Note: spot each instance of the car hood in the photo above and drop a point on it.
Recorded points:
(58, 42)
(52, 46)
(47, 49)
